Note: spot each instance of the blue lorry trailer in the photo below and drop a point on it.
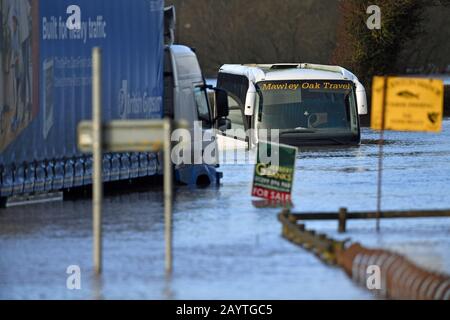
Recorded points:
(45, 88)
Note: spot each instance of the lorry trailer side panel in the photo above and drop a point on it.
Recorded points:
(45, 78)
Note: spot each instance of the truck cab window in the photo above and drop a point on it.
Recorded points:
(201, 100)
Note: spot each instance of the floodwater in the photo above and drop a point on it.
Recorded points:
(224, 247)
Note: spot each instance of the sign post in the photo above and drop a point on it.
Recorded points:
(168, 197)
(97, 181)
(132, 136)
(124, 136)
(381, 154)
(274, 176)
(404, 104)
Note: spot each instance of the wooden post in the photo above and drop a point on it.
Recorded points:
(342, 220)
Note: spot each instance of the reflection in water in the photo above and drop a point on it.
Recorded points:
(97, 288)
(168, 293)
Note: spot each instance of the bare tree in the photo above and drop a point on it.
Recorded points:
(257, 31)
(268, 31)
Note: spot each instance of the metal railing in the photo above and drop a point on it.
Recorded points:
(343, 215)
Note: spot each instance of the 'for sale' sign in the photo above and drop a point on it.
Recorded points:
(274, 172)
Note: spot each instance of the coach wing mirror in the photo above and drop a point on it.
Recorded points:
(222, 107)
(361, 98)
(250, 100)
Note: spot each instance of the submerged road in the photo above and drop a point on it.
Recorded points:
(224, 248)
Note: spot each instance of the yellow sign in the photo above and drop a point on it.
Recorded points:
(412, 104)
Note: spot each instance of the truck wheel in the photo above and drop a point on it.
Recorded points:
(203, 181)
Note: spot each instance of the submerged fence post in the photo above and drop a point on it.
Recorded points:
(97, 181)
(342, 220)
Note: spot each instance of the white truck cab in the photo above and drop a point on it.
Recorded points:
(306, 104)
(186, 99)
